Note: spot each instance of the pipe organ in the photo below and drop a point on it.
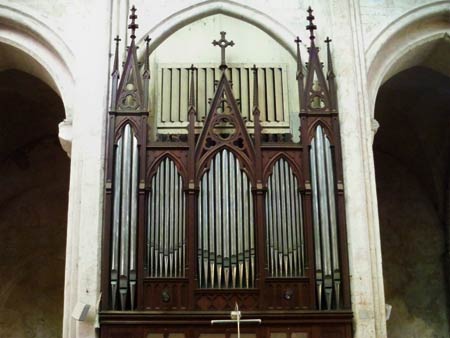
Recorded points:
(284, 223)
(226, 230)
(220, 214)
(324, 221)
(123, 252)
(166, 235)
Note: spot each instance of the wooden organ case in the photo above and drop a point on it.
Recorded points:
(196, 223)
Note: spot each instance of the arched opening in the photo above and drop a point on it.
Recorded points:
(34, 175)
(408, 41)
(161, 31)
(411, 152)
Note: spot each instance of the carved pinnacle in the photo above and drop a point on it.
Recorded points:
(133, 25)
(311, 27)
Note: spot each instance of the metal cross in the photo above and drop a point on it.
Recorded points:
(223, 43)
(236, 318)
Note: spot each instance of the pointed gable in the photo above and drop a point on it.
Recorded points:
(224, 125)
(130, 95)
(316, 96)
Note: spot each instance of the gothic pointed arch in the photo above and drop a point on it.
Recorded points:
(259, 19)
(224, 127)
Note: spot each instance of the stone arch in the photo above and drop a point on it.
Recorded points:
(47, 56)
(405, 85)
(402, 44)
(171, 24)
(37, 63)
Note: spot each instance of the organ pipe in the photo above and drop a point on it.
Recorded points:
(226, 253)
(124, 232)
(166, 223)
(328, 274)
(284, 225)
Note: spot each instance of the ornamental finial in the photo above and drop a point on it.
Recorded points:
(133, 25)
(311, 27)
(330, 61)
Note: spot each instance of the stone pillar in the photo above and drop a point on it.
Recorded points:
(366, 275)
(90, 44)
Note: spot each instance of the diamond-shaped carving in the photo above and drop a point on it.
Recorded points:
(203, 303)
(219, 303)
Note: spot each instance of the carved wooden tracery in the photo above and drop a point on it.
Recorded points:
(193, 226)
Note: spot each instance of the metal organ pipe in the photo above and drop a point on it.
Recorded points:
(226, 252)
(134, 220)
(124, 231)
(284, 226)
(324, 222)
(166, 223)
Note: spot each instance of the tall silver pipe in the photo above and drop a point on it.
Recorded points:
(246, 231)
(273, 211)
(133, 225)
(125, 217)
(240, 228)
(279, 226)
(200, 234)
(299, 228)
(150, 244)
(283, 202)
(176, 221)
(331, 203)
(169, 238)
(161, 220)
(322, 189)
(252, 236)
(205, 231)
(220, 204)
(116, 221)
(227, 168)
(150, 226)
(166, 238)
(315, 204)
(212, 233)
(290, 205)
(232, 264)
(159, 196)
(268, 227)
(182, 228)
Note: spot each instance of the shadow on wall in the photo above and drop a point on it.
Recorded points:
(412, 165)
(34, 176)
